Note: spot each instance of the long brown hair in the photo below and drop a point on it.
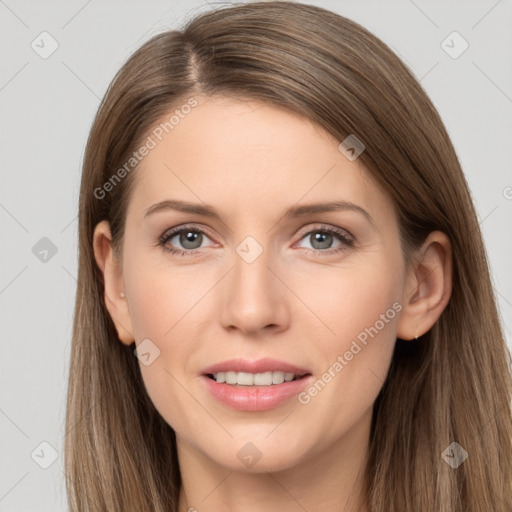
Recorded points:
(454, 385)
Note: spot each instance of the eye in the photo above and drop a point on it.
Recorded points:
(323, 237)
(189, 238)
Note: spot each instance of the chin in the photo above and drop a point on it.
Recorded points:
(258, 455)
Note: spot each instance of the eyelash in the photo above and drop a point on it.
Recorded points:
(347, 242)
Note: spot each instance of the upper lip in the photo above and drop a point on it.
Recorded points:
(260, 366)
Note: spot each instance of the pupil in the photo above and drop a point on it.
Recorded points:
(324, 239)
(189, 237)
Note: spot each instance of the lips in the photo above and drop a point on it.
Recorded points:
(254, 385)
(259, 366)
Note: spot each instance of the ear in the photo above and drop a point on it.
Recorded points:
(428, 287)
(115, 300)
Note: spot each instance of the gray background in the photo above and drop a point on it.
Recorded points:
(47, 106)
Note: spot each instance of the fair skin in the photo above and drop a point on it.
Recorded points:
(299, 301)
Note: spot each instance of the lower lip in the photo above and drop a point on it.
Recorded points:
(255, 398)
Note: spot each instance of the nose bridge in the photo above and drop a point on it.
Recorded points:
(251, 263)
(251, 274)
(254, 296)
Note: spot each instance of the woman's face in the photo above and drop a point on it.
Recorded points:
(260, 287)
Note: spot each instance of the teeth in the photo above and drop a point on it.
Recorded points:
(231, 377)
(277, 377)
(253, 379)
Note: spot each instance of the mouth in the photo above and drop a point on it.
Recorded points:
(253, 386)
(270, 378)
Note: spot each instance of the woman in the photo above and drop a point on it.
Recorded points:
(218, 363)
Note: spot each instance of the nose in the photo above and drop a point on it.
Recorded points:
(255, 297)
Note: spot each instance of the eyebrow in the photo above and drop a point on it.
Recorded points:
(295, 211)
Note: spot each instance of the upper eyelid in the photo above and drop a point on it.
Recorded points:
(325, 226)
(170, 233)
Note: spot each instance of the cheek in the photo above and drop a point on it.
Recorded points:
(343, 301)
(162, 298)
(359, 307)
(164, 306)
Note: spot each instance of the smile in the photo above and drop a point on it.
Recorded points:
(254, 379)
(255, 385)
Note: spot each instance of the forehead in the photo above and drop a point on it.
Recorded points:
(247, 156)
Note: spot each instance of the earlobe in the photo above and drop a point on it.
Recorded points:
(428, 287)
(115, 300)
